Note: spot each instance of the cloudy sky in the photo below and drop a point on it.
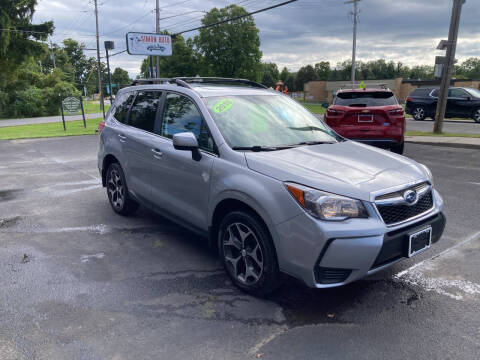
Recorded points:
(300, 33)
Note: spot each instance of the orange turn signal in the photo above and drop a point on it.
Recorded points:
(297, 194)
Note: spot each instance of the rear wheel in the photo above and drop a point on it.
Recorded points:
(117, 191)
(419, 112)
(248, 254)
(476, 115)
(398, 148)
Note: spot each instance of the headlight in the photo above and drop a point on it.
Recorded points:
(326, 206)
(428, 172)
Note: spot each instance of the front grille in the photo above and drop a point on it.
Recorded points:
(331, 275)
(395, 243)
(392, 214)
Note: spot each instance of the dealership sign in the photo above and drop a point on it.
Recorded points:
(149, 44)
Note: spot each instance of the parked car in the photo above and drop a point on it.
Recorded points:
(273, 188)
(371, 116)
(462, 102)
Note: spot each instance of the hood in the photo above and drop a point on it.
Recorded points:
(346, 168)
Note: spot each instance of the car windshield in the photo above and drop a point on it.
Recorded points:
(364, 99)
(262, 121)
(473, 92)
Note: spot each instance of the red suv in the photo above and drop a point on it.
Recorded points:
(372, 116)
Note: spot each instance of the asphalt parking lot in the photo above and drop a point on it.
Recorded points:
(79, 282)
(463, 126)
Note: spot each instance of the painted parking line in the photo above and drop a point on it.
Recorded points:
(428, 273)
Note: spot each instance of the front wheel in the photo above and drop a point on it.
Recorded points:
(419, 113)
(247, 252)
(476, 115)
(398, 149)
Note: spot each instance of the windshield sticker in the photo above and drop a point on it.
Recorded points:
(223, 105)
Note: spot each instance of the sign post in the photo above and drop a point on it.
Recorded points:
(63, 116)
(83, 113)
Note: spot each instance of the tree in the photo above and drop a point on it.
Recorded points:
(421, 72)
(270, 74)
(284, 74)
(21, 41)
(322, 70)
(74, 51)
(470, 68)
(231, 49)
(304, 75)
(120, 78)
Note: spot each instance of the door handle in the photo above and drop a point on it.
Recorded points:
(157, 154)
(122, 137)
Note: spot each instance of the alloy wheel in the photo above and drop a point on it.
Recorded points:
(476, 116)
(419, 113)
(116, 189)
(243, 253)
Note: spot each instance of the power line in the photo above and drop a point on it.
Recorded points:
(196, 18)
(237, 17)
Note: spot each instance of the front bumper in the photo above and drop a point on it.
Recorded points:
(327, 254)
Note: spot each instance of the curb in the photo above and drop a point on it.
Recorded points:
(444, 144)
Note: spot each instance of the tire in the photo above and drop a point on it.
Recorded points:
(398, 149)
(418, 113)
(476, 115)
(247, 253)
(117, 191)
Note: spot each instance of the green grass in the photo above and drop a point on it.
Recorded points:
(49, 130)
(423, 133)
(314, 108)
(93, 107)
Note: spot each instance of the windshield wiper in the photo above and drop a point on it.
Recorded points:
(258, 148)
(314, 143)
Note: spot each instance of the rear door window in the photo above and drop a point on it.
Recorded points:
(364, 99)
(122, 105)
(144, 110)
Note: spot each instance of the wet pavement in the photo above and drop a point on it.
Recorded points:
(79, 282)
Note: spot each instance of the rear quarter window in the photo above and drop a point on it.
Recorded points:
(122, 105)
(364, 99)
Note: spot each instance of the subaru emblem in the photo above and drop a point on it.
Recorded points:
(410, 197)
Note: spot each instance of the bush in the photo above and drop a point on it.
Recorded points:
(29, 103)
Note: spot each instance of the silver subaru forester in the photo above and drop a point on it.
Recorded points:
(270, 186)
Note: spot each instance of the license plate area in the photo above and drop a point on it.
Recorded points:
(419, 241)
(365, 118)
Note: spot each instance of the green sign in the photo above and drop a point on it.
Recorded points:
(71, 104)
(362, 85)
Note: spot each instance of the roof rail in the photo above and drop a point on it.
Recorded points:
(356, 86)
(220, 80)
(151, 81)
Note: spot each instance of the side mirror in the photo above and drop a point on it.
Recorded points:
(188, 142)
(325, 105)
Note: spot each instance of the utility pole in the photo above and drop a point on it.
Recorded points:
(448, 65)
(158, 32)
(354, 47)
(52, 55)
(99, 66)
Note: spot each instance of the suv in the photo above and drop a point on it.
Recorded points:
(461, 103)
(273, 188)
(371, 116)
